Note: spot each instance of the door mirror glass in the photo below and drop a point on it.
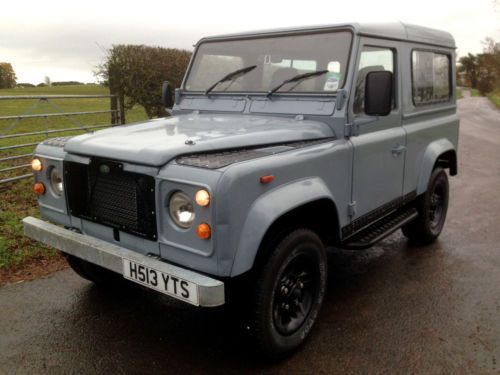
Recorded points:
(166, 95)
(378, 93)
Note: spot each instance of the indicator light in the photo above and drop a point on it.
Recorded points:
(202, 198)
(36, 165)
(267, 179)
(203, 231)
(39, 188)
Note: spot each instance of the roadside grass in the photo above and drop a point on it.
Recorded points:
(17, 202)
(495, 98)
(474, 93)
(21, 258)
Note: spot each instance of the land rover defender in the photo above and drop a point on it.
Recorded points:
(280, 143)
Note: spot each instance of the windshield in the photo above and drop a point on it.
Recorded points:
(276, 60)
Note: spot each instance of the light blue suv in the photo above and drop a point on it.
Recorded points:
(279, 144)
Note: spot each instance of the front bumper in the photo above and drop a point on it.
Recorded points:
(110, 256)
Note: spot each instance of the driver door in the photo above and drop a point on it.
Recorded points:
(379, 147)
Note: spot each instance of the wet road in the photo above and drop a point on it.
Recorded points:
(392, 309)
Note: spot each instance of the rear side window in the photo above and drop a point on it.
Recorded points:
(431, 77)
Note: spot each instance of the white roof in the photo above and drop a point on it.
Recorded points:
(393, 30)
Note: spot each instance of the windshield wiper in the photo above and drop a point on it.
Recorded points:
(298, 78)
(231, 76)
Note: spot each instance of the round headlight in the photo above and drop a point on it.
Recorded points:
(56, 181)
(181, 210)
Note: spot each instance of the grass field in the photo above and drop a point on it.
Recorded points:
(21, 258)
(20, 107)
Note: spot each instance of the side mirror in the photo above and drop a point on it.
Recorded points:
(378, 93)
(166, 95)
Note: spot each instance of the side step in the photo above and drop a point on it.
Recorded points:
(377, 231)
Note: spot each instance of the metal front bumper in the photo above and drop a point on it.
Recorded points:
(107, 255)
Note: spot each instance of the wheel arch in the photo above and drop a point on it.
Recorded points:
(448, 160)
(285, 208)
(440, 153)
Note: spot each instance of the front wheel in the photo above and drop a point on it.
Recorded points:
(432, 208)
(289, 293)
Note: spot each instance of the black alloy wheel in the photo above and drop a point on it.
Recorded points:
(289, 292)
(294, 294)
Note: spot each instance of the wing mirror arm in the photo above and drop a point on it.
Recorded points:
(166, 97)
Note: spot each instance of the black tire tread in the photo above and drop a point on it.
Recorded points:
(258, 332)
(418, 231)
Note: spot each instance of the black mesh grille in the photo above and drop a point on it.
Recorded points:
(102, 192)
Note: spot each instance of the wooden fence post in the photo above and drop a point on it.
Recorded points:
(117, 104)
(118, 114)
(115, 116)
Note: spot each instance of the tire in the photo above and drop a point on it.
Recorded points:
(432, 208)
(92, 272)
(289, 293)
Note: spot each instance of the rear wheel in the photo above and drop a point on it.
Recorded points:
(92, 272)
(432, 208)
(289, 293)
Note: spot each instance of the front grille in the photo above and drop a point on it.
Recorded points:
(104, 193)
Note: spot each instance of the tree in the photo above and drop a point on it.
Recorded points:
(47, 81)
(489, 66)
(136, 72)
(492, 50)
(483, 70)
(470, 66)
(7, 76)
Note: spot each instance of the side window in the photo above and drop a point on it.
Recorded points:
(431, 77)
(372, 59)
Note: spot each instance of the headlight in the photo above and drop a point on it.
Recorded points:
(181, 210)
(56, 181)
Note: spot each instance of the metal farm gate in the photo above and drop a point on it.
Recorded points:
(18, 139)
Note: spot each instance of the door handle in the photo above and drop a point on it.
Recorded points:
(398, 150)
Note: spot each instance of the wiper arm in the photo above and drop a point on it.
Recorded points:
(231, 76)
(298, 78)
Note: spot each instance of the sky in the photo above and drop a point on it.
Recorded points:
(66, 40)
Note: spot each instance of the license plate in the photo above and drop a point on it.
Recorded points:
(161, 281)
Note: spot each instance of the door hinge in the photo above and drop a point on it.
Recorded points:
(341, 99)
(351, 129)
(351, 209)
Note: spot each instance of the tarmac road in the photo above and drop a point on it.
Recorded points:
(393, 309)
